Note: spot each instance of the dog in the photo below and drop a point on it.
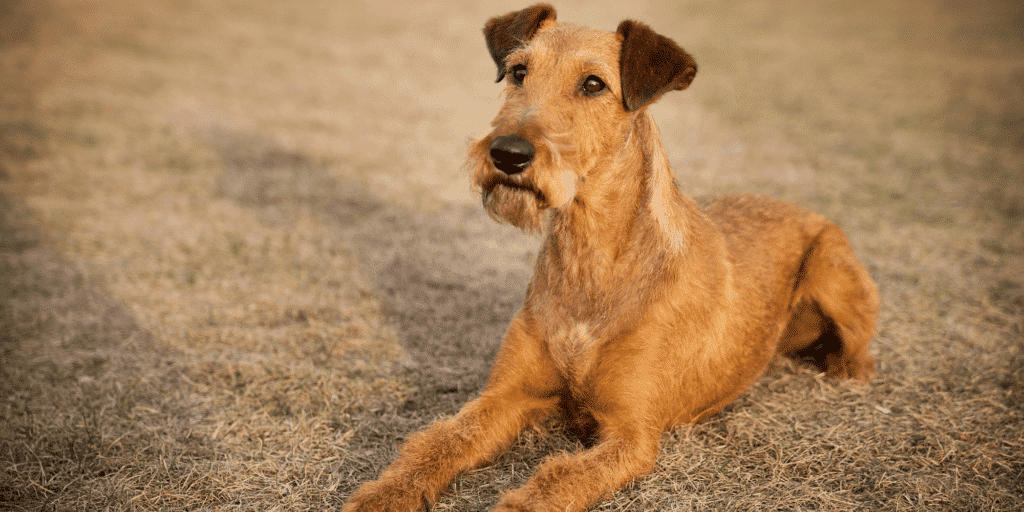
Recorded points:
(646, 309)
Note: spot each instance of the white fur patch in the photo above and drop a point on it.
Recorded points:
(562, 189)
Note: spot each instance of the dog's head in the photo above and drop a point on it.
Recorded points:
(570, 95)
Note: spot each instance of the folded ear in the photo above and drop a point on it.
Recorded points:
(508, 32)
(650, 65)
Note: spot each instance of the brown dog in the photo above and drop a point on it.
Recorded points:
(646, 310)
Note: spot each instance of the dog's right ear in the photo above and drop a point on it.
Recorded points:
(508, 32)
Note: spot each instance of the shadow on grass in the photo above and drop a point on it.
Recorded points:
(61, 336)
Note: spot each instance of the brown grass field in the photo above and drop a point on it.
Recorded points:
(240, 260)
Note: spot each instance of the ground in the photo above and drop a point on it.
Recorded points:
(240, 260)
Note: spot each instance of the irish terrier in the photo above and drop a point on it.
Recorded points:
(646, 309)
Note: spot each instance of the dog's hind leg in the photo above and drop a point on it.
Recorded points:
(836, 309)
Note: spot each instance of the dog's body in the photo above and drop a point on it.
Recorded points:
(646, 310)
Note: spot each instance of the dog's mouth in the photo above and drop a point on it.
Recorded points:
(493, 191)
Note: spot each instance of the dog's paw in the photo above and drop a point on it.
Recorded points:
(381, 497)
(522, 500)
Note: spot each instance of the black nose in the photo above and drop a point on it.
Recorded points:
(511, 154)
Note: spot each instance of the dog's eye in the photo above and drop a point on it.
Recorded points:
(518, 74)
(593, 85)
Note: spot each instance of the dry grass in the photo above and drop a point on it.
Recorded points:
(239, 261)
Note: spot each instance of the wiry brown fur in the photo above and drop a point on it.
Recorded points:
(646, 309)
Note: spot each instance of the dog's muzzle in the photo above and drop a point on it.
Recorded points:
(511, 154)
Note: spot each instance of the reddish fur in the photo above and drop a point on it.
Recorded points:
(646, 309)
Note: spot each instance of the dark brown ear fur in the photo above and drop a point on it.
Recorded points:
(650, 65)
(510, 31)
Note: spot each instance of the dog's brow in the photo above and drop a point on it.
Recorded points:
(599, 68)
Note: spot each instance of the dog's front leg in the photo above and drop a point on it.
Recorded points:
(520, 391)
(574, 482)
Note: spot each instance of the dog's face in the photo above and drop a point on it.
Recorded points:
(561, 96)
(567, 108)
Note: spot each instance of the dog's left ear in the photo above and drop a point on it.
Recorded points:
(650, 65)
(510, 31)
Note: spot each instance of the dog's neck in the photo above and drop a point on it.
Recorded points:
(620, 208)
(665, 203)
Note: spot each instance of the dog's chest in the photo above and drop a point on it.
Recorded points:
(574, 349)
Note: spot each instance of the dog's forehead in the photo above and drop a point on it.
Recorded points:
(566, 44)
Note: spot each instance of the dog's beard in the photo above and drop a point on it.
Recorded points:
(519, 200)
(520, 205)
